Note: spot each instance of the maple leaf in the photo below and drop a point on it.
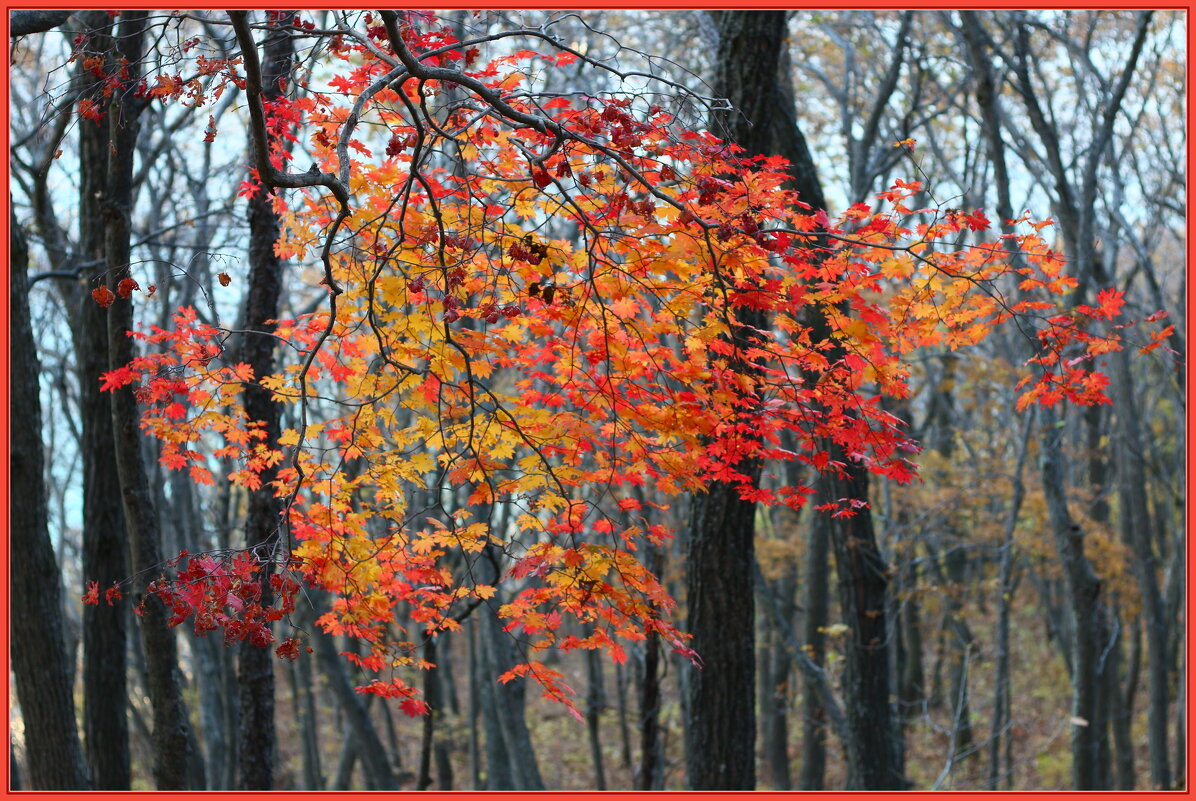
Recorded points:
(90, 110)
(1109, 302)
(977, 221)
(103, 296)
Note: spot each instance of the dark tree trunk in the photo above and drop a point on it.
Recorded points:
(475, 708)
(812, 775)
(171, 742)
(720, 723)
(1120, 719)
(774, 699)
(720, 730)
(1136, 532)
(105, 549)
(749, 73)
(911, 679)
(1089, 619)
(435, 703)
(262, 524)
(872, 750)
(303, 701)
(40, 661)
(595, 705)
(649, 773)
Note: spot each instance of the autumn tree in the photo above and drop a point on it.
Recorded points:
(541, 315)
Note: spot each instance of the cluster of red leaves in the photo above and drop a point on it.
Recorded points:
(111, 595)
(1068, 348)
(224, 594)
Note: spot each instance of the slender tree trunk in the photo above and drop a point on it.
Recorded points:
(961, 638)
(649, 773)
(475, 707)
(775, 694)
(1136, 531)
(305, 716)
(872, 753)
(595, 705)
(1120, 719)
(812, 774)
(1002, 708)
(911, 679)
(171, 728)
(435, 703)
(105, 546)
(263, 520)
(39, 656)
(304, 701)
(1088, 618)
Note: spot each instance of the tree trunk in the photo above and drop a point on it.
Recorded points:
(872, 750)
(720, 725)
(40, 661)
(775, 695)
(303, 700)
(649, 773)
(1136, 532)
(595, 705)
(1002, 729)
(1089, 729)
(172, 748)
(812, 774)
(264, 516)
(432, 697)
(475, 707)
(105, 548)
(1120, 719)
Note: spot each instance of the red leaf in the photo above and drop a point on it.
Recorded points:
(126, 287)
(1109, 303)
(977, 221)
(103, 296)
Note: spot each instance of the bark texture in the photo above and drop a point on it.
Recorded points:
(171, 729)
(105, 548)
(262, 524)
(40, 662)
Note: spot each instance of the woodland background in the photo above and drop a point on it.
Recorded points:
(1075, 115)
